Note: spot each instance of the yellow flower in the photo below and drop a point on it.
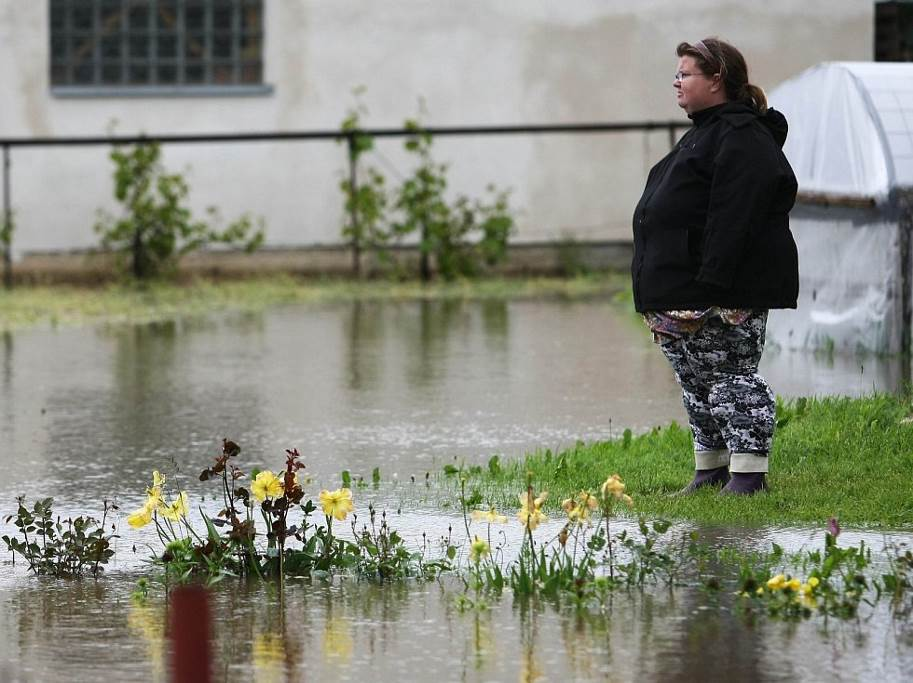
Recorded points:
(478, 549)
(145, 514)
(777, 582)
(587, 500)
(807, 601)
(613, 486)
(760, 591)
(155, 491)
(266, 485)
(530, 512)
(578, 513)
(140, 518)
(337, 503)
(794, 584)
(177, 509)
(813, 582)
(490, 515)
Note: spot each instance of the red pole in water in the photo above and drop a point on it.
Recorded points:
(188, 629)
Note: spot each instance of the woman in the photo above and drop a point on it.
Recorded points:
(712, 253)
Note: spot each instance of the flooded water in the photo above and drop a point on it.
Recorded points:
(349, 631)
(87, 414)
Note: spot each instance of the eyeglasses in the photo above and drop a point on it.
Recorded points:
(682, 75)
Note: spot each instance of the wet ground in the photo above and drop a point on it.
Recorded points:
(88, 413)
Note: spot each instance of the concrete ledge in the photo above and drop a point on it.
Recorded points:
(539, 258)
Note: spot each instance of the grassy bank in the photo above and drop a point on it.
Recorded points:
(67, 305)
(848, 458)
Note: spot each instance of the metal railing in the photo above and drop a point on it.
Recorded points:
(350, 136)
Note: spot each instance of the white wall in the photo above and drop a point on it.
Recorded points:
(474, 62)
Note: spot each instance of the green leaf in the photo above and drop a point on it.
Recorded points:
(211, 531)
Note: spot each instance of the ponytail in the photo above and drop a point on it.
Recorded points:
(754, 95)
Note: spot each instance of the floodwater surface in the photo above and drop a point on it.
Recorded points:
(86, 414)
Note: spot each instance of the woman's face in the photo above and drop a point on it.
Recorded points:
(695, 90)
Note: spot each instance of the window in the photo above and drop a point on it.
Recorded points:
(894, 31)
(156, 46)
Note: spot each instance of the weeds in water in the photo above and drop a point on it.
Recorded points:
(234, 545)
(60, 548)
(266, 528)
(837, 581)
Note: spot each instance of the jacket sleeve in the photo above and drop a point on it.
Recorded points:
(740, 195)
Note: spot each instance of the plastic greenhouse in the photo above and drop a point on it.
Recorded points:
(850, 144)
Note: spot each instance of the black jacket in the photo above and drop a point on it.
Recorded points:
(712, 226)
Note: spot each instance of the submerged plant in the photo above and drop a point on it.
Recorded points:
(583, 563)
(60, 548)
(835, 585)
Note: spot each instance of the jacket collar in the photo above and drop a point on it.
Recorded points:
(704, 116)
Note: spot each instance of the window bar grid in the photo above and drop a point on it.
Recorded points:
(208, 30)
(68, 39)
(127, 65)
(236, 42)
(96, 43)
(124, 44)
(152, 50)
(181, 39)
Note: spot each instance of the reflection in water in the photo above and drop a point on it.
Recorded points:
(351, 630)
(87, 414)
(144, 364)
(337, 640)
(428, 339)
(146, 624)
(269, 658)
(7, 371)
(366, 332)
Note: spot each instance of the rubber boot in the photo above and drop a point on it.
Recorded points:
(718, 476)
(745, 484)
(749, 472)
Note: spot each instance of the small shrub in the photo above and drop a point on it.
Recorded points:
(365, 201)
(60, 548)
(157, 228)
(462, 235)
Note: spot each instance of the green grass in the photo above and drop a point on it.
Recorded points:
(66, 305)
(848, 458)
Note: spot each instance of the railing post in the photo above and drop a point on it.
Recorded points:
(905, 227)
(671, 136)
(6, 230)
(353, 208)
